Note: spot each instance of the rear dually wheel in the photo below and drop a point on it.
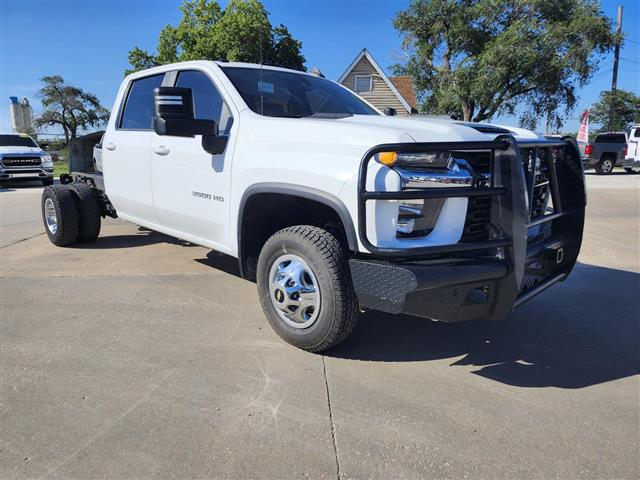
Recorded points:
(60, 215)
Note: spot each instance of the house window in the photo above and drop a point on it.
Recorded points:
(363, 83)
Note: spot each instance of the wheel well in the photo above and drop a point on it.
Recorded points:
(263, 214)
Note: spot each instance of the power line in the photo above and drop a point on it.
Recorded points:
(600, 74)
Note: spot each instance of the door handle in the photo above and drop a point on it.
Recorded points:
(161, 150)
(110, 146)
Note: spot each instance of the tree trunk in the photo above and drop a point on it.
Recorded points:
(66, 139)
(467, 112)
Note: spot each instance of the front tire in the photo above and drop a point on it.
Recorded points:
(305, 288)
(60, 215)
(631, 170)
(605, 166)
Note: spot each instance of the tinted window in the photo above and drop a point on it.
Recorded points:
(611, 138)
(276, 93)
(636, 133)
(16, 141)
(138, 111)
(207, 101)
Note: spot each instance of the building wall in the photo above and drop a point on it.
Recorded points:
(381, 96)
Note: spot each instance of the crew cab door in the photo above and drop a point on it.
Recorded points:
(190, 186)
(125, 154)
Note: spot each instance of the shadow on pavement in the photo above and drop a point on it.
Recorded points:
(12, 185)
(142, 238)
(582, 332)
(222, 262)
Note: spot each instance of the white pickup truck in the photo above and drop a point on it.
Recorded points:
(329, 205)
(22, 159)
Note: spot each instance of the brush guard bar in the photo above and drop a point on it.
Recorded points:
(508, 259)
(503, 151)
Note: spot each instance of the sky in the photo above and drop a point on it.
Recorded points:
(87, 42)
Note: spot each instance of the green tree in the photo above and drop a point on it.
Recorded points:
(474, 59)
(286, 49)
(69, 107)
(239, 33)
(626, 110)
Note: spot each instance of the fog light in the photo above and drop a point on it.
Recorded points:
(417, 218)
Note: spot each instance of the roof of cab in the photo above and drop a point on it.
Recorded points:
(201, 63)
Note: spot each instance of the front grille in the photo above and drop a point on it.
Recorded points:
(539, 201)
(537, 164)
(21, 161)
(479, 161)
(478, 220)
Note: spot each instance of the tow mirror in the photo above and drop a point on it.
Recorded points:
(173, 115)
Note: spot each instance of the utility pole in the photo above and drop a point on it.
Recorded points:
(614, 79)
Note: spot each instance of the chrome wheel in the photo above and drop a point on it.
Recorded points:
(50, 217)
(607, 165)
(294, 291)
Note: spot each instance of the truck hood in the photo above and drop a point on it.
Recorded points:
(21, 151)
(424, 128)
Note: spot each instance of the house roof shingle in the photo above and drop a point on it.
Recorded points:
(404, 85)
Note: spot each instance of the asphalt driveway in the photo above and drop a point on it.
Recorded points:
(140, 356)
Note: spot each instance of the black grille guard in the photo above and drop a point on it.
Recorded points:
(510, 209)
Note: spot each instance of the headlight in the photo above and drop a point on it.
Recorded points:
(46, 160)
(416, 160)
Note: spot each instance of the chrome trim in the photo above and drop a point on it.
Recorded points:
(459, 174)
(7, 174)
(294, 291)
(413, 209)
(50, 217)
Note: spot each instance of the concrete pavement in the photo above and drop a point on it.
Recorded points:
(140, 356)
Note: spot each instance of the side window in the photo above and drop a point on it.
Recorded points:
(207, 101)
(636, 133)
(138, 110)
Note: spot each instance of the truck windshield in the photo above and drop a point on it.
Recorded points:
(274, 93)
(16, 141)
